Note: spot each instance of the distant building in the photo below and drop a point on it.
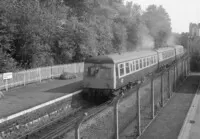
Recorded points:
(194, 29)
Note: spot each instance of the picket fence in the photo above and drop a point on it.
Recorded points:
(39, 74)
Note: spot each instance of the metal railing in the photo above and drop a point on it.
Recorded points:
(39, 74)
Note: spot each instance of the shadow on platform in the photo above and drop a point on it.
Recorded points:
(67, 88)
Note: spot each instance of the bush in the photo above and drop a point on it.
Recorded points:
(67, 76)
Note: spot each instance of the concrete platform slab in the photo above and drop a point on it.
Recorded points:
(22, 98)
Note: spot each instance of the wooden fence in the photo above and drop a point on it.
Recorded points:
(39, 74)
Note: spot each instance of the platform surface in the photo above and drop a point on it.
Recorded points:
(22, 98)
(168, 123)
(191, 126)
(170, 119)
(194, 132)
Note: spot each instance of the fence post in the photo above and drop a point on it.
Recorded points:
(28, 76)
(116, 117)
(189, 66)
(169, 87)
(174, 78)
(6, 84)
(152, 98)
(183, 74)
(186, 68)
(162, 90)
(77, 128)
(183, 68)
(51, 72)
(82, 67)
(138, 111)
(75, 67)
(40, 77)
(24, 77)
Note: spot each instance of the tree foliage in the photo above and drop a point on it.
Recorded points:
(158, 22)
(37, 33)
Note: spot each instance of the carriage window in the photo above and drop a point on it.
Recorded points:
(121, 69)
(133, 65)
(144, 62)
(127, 68)
(151, 60)
(140, 63)
(137, 64)
(147, 61)
(154, 59)
(164, 55)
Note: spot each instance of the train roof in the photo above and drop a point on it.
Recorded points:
(160, 50)
(116, 58)
(178, 46)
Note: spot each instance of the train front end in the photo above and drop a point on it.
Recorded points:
(98, 79)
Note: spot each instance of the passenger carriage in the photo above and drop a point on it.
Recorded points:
(179, 50)
(104, 75)
(166, 56)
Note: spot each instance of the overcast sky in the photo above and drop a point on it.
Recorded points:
(181, 12)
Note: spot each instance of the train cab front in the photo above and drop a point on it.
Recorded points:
(98, 79)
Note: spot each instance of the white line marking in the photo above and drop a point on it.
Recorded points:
(2, 120)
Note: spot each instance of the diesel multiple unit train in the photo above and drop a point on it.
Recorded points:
(104, 75)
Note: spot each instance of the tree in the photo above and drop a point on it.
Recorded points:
(158, 22)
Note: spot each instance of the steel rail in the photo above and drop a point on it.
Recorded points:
(67, 126)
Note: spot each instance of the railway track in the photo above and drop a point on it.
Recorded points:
(64, 124)
(68, 123)
(21, 124)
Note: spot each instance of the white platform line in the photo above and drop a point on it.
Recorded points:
(185, 130)
(2, 120)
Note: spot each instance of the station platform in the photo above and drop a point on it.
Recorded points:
(191, 125)
(25, 97)
(169, 121)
